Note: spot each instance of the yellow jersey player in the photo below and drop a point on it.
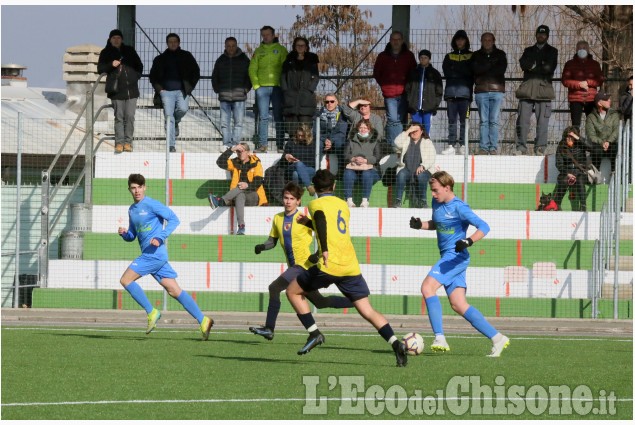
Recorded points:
(295, 239)
(337, 264)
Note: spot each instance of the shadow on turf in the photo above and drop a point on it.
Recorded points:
(129, 338)
(301, 360)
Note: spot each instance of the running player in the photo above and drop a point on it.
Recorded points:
(146, 224)
(296, 240)
(451, 218)
(338, 264)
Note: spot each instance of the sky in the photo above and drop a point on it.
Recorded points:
(37, 36)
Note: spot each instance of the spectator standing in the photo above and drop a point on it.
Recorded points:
(230, 80)
(424, 90)
(333, 127)
(458, 90)
(602, 131)
(265, 70)
(535, 94)
(300, 77)
(174, 75)
(583, 77)
(571, 165)
(245, 189)
(124, 68)
(391, 71)
(416, 158)
(626, 100)
(489, 64)
(362, 155)
(300, 154)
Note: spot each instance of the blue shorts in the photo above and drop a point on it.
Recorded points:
(352, 287)
(449, 271)
(149, 264)
(292, 273)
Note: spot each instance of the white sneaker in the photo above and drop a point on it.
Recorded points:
(223, 148)
(499, 346)
(460, 150)
(448, 151)
(350, 203)
(440, 344)
(364, 203)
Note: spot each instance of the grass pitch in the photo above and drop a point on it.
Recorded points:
(81, 373)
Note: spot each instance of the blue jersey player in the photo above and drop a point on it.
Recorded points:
(296, 240)
(146, 225)
(451, 218)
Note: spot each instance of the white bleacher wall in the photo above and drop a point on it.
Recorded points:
(256, 277)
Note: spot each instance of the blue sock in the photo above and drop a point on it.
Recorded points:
(190, 305)
(433, 305)
(272, 313)
(479, 322)
(139, 296)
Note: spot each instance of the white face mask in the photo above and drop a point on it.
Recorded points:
(582, 53)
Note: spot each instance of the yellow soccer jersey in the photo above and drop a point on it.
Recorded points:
(296, 239)
(342, 259)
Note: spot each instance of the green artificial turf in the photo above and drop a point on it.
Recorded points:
(114, 374)
(489, 196)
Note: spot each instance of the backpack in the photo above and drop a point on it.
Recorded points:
(547, 203)
(274, 181)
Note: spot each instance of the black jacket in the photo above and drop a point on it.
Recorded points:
(127, 74)
(432, 89)
(230, 77)
(305, 153)
(564, 162)
(538, 63)
(458, 71)
(298, 81)
(188, 69)
(489, 70)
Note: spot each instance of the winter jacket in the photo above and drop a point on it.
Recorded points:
(626, 104)
(188, 70)
(577, 70)
(305, 153)
(457, 70)
(368, 148)
(428, 153)
(266, 65)
(298, 83)
(230, 77)
(599, 130)
(430, 99)
(249, 172)
(127, 74)
(335, 133)
(489, 70)
(354, 117)
(539, 66)
(391, 73)
(565, 164)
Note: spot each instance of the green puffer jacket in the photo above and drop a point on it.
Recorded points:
(265, 67)
(598, 130)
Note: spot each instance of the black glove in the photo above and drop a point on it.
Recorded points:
(415, 223)
(259, 248)
(314, 258)
(463, 244)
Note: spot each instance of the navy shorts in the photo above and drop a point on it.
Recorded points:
(352, 287)
(292, 273)
(149, 264)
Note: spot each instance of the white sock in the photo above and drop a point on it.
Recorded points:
(392, 339)
(312, 328)
(496, 338)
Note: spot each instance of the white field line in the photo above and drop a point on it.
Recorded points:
(269, 400)
(347, 335)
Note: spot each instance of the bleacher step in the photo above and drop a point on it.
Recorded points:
(624, 290)
(629, 205)
(625, 263)
(626, 232)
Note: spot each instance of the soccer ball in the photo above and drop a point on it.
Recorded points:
(414, 343)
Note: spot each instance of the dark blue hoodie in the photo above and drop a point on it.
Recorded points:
(458, 71)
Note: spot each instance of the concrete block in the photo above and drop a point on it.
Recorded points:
(80, 67)
(84, 48)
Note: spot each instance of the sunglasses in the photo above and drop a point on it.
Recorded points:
(330, 101)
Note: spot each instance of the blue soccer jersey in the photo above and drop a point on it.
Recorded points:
(146, 222)
(452, 220)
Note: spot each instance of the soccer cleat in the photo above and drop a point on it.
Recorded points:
(263, 331)
(439, 345)
(448, 151)
(127, 147)
(153, 318)
(498, 347)
(206, 327)
(119, 148)
(400, 353)
(311, 343)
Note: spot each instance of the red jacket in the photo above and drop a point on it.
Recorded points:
(577, 70)
(391, 72)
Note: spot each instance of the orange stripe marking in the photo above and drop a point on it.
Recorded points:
(519, 253)
(194, 295)
(170, 192)
(498, 307)
(281, 268)
(381, 221)
(537, 194)
(345, 310)
(119, 300)
(367, 249)
(527, 223)
(208, 278)
(546, 171)
(462, 190)
(220, 248)
(182, 165)
(473, 171)
(231, 220)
